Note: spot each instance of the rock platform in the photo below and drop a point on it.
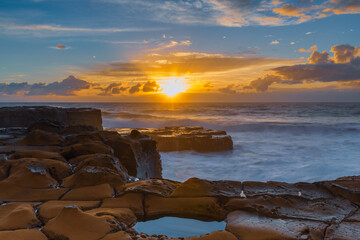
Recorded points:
(81, 183)
(170, 139)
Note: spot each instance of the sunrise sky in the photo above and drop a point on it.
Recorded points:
(179, 50)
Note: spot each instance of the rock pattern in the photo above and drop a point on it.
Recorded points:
(170, 139)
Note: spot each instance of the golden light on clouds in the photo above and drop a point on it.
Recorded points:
(172, 86)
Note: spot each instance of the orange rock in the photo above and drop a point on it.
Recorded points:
(37, 154)
(91, 193)
(134, 201)
(51, 209)
(31, 175)
(91, 176)
(79, 149)
(41, 138)
(161, 187)
(102, 160)
(57, 169)
(216, 235)
(13, 192)
(195, 187)
(123, 215)
(121, 235)
(247, 226)
(17, 216)
(23, 234)
(73, 224)
(204, 208)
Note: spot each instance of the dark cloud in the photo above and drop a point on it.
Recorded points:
(151, 86)
(262, 83)
(111, 89)
(317, 57)
(67, 87)
(229, 89)
(135, 89)
(343, 68)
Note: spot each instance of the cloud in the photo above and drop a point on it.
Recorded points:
(60, 47)
(135, 89)
(343, 68)
(112, 89)
(180, 63)
(262, 83)
(50, 30)
(311, 49)
(274, 42)
(345, 53)
(238, 13)
(172, 44)
(151, 86)
(229, 89)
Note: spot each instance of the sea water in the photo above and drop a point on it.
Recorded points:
(289, 142)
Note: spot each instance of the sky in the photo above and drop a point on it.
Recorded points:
(180, 50)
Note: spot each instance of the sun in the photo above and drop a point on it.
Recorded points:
(173, 86)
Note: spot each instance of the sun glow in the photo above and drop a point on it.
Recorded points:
(173, 86)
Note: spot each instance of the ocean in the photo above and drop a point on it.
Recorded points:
(292, 142)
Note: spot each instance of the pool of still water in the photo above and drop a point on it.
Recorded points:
(178, 227)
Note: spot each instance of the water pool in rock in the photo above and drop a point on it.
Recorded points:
(178, 227)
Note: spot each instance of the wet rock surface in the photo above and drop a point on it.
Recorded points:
(94, 184)
(170, 139)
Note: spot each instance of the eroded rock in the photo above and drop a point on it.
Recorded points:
(17, 216)
(247, 226)
(91, 193)
(22, 234)
(133, 201)
(74, 224)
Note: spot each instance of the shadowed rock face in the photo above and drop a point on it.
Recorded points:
(170, 139)
(24, 116)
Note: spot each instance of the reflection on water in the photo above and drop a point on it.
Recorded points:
(178, 227)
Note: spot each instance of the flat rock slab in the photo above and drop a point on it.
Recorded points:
(170, 139)
(249, 226)
(17, 216)
(343, 231)
(23, 234)
(216, 235)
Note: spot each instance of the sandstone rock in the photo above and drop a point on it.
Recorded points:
(123, 215)
(37, 154)
(73, 224)
(287, 206)
(306, 190)
(24, 116)
(23, 234)
(203, 208)
(247, 226)
(139, 156)
(51, 209)
(216, 235)
(58, 170)
(102, 160)
(41, 138)
(31, 175)
(47, 125)
(91, 193)
(152, 186)
(343, 231)
(134, 201)
(13, 192)
(79, 149)
(17, 216)
(347, 187)
(91, 176)
(186, 138)
(121, 235)
(83, 137)
(195, 187)
(123, 150)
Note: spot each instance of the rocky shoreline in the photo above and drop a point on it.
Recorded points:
(78, 182)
